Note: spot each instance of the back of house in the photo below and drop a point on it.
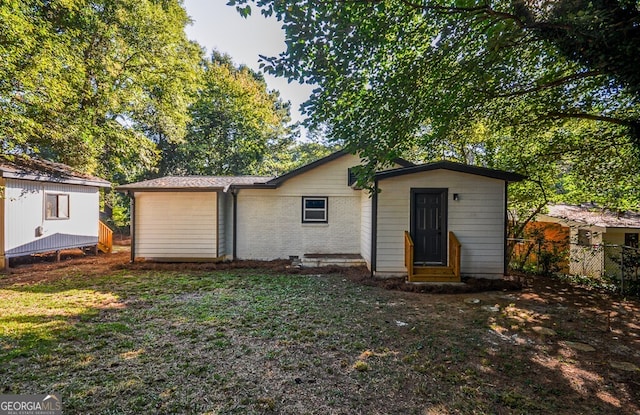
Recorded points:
(316, 214)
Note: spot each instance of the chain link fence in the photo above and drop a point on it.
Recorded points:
(613, 266)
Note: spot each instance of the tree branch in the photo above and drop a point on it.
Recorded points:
(584, 116)
(558, 82)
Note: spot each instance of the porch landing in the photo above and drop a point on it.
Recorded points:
(433, 274)
(340, 260)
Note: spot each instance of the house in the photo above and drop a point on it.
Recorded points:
(46, 207)
(593, 233)
(410, 225)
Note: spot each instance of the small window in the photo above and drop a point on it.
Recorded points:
(56, 206)
(314, 209)
(631, 239)
(584, 237)
(351, 177)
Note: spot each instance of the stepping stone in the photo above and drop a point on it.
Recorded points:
(492, 308)
(472, 301)
(583, 347)
(626, 366)
(544, 331)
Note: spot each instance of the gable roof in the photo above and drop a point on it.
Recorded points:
(277, 181)
(449, 165)
(34, 169)
(591, 215)
(194, 183)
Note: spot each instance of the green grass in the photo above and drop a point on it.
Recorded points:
(254, 342)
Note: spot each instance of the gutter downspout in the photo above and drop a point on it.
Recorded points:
(374, 228)
(132, 224)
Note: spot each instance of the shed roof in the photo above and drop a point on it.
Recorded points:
(35, 169)
(193, 183)
(449, 165)
(592, 215)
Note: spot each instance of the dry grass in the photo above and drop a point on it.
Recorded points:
(114, 338)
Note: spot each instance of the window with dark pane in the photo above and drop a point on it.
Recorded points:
(631, 239)
(314, 209)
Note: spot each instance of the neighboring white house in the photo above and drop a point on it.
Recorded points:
(591, 231)
(45, 206)
(316, 213)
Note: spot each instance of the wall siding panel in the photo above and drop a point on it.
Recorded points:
(366, 205)
(180, 225)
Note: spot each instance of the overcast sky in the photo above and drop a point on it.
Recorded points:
(218, 26)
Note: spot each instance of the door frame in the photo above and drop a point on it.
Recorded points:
(444, 219)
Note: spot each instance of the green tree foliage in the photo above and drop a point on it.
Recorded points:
(549, 89)
(237, 125)
(94, 83)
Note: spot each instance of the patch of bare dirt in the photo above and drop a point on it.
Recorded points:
(590, 345)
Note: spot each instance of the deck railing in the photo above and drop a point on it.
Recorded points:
(105, 238)
(454, 254)
(451, 271)
(408, 253)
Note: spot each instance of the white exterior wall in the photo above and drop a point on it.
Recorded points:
(221, 245)
(228, 225)
(269, 223)
(477, 219)
(615, 236)
(176, 225)
(365, 226)
(24, 212)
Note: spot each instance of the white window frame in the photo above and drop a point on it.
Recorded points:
(305, 209)
(58, 197)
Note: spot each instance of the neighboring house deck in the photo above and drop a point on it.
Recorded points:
(454, 215)
(46, 207)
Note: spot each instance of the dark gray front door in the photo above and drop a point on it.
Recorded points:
(429, 226)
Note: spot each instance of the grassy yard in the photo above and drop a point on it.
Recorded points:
(253, 341)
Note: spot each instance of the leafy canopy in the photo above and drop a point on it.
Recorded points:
(94, 83)
(237, 125)
(550, 88)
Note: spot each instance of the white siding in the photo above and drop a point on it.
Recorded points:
(175, 225)
(24, 214)
(270, 221)
(228, 225)
(365, 226)
(477, 220)
(221, 243)
(615, 236)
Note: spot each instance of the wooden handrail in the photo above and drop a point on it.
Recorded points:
(408, 253)
(454, 254)
(435, 272)
(105, 238)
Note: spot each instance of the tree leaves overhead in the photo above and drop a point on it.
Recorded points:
(554, 83)
(93, 83)
(237, 125)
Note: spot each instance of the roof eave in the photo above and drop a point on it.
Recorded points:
(55, 179)
(125, 188)
(461, 168)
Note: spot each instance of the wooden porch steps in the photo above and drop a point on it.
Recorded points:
(105, 238)
(433, 274)
(418, 273)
